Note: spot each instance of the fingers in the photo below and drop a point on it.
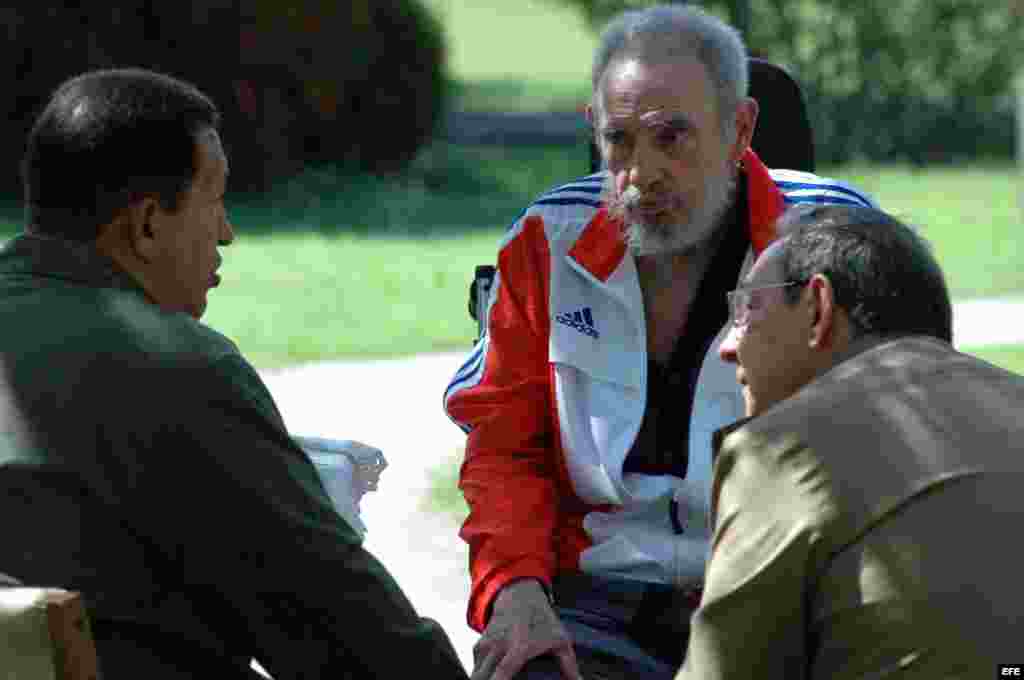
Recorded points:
(487, 652)
(567, 662)
(501, 658)
(505, 661)
(522, 628)
(484, 665)
(512, 663)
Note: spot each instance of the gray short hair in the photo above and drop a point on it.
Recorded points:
(884, 274)
(665, 33)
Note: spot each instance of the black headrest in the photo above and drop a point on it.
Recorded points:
(783, 137)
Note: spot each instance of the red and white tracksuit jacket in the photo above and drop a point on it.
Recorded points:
(554, 392)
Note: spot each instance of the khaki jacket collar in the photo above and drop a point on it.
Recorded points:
(719, 435)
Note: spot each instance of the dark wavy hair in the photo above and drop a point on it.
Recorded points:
(105, 139)
(883, 273)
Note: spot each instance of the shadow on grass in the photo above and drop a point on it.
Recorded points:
(447, 190)
(518, 94)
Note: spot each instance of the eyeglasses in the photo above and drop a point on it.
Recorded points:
(742, 301)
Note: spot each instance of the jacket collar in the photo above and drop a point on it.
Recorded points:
(719, 435)
(57, 258)
(600, 248)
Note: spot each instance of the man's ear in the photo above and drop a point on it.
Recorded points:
(591, 116)
(822, 313)
(139, 224)
(746, 121)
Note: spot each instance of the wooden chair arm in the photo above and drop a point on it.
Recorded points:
(46, 634)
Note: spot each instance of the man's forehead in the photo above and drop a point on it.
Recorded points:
(676, 71)
(651, 118)
(668, 87)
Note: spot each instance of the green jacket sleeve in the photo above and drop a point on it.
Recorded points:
(769, 502)
(240, 512)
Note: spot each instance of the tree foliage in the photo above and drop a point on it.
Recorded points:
(360, 82)
(920, 80)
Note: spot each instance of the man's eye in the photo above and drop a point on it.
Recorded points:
(613, 136)
(670, 136)
(667, 137)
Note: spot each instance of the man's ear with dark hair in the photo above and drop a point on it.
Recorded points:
(829, 329)
(131, 233)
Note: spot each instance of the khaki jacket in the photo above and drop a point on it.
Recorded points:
(869, 527)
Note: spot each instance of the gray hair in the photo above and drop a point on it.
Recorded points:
(665, 33)
(884, 274)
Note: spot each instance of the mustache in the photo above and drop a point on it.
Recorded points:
(630, 197)
(619, 203)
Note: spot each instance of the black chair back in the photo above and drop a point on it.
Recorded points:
(782, 138)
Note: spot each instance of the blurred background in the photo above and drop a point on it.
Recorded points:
(379, 148)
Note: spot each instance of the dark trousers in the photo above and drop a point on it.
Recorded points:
(620, 628)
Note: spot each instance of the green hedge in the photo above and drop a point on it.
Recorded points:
(360, 82)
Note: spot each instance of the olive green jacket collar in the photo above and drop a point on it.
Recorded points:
(57, 258)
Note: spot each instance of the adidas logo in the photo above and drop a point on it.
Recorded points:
(581, 320)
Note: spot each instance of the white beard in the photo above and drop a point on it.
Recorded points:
(665, 239)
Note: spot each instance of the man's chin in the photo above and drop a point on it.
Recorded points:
(664, 238)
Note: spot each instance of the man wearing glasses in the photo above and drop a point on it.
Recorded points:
(866, 512)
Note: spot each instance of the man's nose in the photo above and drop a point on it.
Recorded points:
(227, 233)
(727, 350)
(644, 166)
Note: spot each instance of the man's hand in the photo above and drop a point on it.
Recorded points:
(523, 626)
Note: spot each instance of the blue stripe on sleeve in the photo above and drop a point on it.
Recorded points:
(861, 199)
(472, 359)
(453, 387)
(569, 201)
(591, 184)
(832, 200)
(574, 188)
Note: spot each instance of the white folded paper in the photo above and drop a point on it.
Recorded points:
(348, 469)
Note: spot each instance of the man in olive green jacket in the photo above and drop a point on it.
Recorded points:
(867, 514)
(142, 460)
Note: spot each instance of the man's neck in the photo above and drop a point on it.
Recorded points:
(660, 271)
(856, 346)
(669, 286)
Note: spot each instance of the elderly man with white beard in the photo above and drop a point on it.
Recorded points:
(590, 400)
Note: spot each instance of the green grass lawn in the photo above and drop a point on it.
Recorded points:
(1010, 357)
(972, 216)
(290, 298)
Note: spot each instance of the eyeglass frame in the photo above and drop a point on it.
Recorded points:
(740, 318)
